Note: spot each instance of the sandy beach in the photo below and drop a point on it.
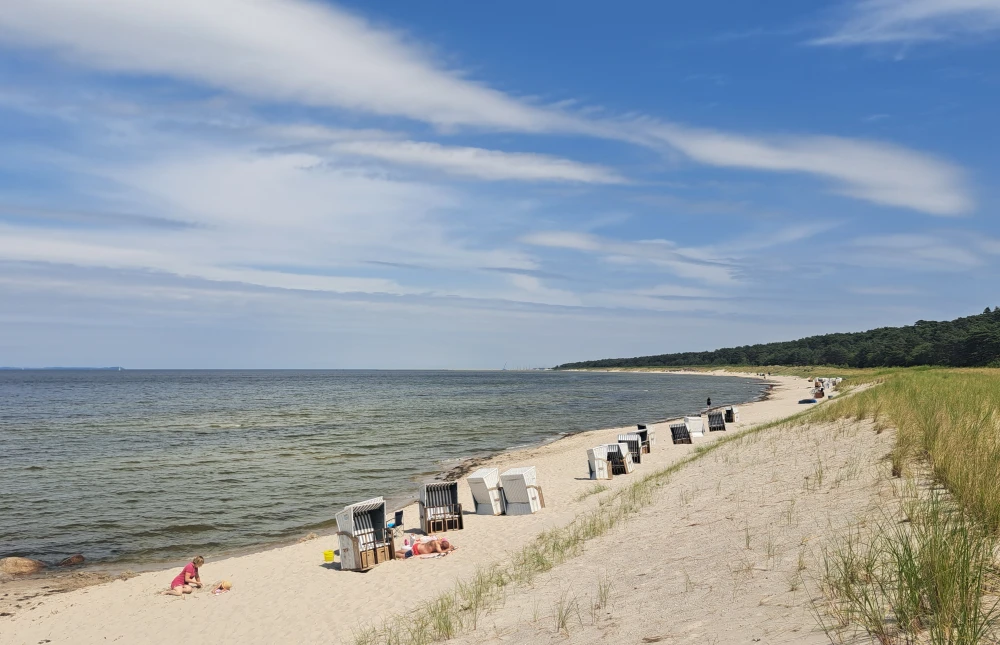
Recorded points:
(288, 594)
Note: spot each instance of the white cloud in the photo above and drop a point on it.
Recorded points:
(289, 221)
(293, 51)
(919, 252)
(884, 291)
(910, 21)
(283, 50)
(877, 172)
(675, 291)
(696, 264)
(482, 164)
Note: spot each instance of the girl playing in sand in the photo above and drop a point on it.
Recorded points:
(187, 579)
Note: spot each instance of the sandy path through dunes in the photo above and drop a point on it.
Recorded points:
(288, 595)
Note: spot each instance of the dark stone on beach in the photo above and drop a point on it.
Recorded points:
(20, 566)
(72, 561)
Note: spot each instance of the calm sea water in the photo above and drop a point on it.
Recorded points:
(150, 466)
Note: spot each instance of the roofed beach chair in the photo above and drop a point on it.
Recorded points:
(695, 426)
(716, 421)
(732, 414)
(620, 457)
(439, 507)
(634, 443)
(679, 433)
(486, 491)
(648, 437)
(362, 535)
(521, 490)
(597, 462)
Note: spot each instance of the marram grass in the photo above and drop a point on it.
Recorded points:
(460, 609)
(949, 419)
(930, 577)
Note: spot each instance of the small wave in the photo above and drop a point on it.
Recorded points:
(35, 468)
(179, 528)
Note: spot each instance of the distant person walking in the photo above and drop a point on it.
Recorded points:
(708, 403)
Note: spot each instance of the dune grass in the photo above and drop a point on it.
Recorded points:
(931, 576)
(461, 608)
(925, 579)
(948, 419)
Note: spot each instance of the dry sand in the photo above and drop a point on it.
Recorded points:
(729, 553)
(289, 595)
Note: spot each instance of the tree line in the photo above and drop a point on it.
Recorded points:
(973, 341)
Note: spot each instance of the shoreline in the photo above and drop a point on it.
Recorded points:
(101, 572)
(561, 464)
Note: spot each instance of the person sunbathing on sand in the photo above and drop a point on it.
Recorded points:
(187, 579)
(427, 547)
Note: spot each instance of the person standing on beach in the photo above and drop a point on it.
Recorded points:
(708, 403)
(187, 579)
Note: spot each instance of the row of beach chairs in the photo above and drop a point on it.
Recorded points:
(607, 460)
(365, 537)
(620, 458)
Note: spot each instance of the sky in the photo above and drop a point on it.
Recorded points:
(309, 184)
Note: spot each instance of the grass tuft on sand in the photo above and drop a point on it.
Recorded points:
(461, 609)
(930, 576)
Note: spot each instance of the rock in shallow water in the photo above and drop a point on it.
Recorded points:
(20, 566)
(73, 560)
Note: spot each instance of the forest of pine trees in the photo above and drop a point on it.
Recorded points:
(973, 341)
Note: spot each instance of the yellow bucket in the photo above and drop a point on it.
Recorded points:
(327, 556)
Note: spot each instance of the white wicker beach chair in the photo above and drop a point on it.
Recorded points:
(620, 457)
(362, 535)
(521, 491)
(597, 461)
(486, 491)
(716, 421)
(732, 414)
(634, 443)
(694, 426)
(439, 507)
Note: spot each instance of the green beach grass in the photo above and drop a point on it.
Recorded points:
(929, 578)
(460, 609)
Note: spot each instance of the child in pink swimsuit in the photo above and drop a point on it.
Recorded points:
(187, 579)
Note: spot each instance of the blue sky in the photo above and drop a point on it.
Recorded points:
(279, 183)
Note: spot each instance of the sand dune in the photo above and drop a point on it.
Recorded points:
(289, 595)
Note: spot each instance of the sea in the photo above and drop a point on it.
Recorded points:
(137, 468)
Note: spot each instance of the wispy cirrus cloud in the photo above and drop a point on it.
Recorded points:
(694, 264)
(913, 21)
(292, 51)
(286, 50)
(878, 172)
(481, 163)
(939, 251)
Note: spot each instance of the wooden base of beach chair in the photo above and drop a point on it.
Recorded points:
(372, 557)
(444, 524)
(441, 519)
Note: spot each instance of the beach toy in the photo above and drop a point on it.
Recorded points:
(328, 556)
